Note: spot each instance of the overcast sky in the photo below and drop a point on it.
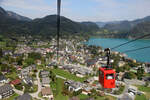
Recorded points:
(81, 10)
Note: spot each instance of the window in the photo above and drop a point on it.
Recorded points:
(109, 76)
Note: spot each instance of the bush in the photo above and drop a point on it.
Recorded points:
(77, 93)
(146, 84)
(18, 87)
(106, 98)
(121, 88)
(129, 75)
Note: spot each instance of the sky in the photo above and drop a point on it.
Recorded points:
(81, 10)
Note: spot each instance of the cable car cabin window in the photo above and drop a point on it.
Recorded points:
(109, 76)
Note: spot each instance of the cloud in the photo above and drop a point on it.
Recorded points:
(82, 10)
(1, 1)
(26, 4)
(108, 10)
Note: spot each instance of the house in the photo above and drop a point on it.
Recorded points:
(146, 79)
(46, 92)
(7, 52)
(25, 96)
(28, 80)
(147, 69)
(15, 82)
(51, 65)
(121, 63)
(73, 86)
(87, 90)
(84, 71)
(120, 75)
(132, 89)
(91, 62)
(16, 55)
(46, 81)
(44, 73)
(24, 73)
(33, 67)
(90, 80)
(39, 62)
(3, 79)
(6, 91)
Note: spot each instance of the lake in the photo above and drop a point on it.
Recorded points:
(141, 55)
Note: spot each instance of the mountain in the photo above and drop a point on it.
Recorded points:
(12, 15)
(122, 26)
(2, 12)
(90, 25)
(140, 29)
(18, 17)
(12, 23)
(47, 25)
(145, 19)
(102, 24)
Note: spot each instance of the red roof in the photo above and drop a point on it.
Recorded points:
(15, 82)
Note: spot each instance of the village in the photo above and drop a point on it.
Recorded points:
(33, 71)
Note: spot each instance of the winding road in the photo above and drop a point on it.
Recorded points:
(35, 95)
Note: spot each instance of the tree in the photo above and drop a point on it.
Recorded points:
(140, 72)
(52, 76)
(29, 61)
(129, 75)
(1, 52)
(75, 93)
(34, 55)
(146, 84)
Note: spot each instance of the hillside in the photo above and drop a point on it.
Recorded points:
(125, 29)
(140, 29)
(18, 17)
(13, 24)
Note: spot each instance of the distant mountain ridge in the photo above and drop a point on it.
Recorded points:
(12, 23)
(18, 17)
(12, 15)
(122, 25)
(102, 24)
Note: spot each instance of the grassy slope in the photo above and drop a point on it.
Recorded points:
(67, 75)
(12, 97)
(144, 89)
(82, 97)
(57, 89)
(140, 97)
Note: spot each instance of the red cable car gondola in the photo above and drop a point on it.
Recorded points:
(107, 74)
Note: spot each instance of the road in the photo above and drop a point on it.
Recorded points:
(61, 77)
(18, 91)
(134, 81)
(35, 95)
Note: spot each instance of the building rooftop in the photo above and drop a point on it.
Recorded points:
(25, 96)
(46, 91)
(5, 88)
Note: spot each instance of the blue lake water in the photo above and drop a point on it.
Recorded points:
(141, 55)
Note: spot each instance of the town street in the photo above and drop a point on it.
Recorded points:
(35, 95)
(18, 91)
